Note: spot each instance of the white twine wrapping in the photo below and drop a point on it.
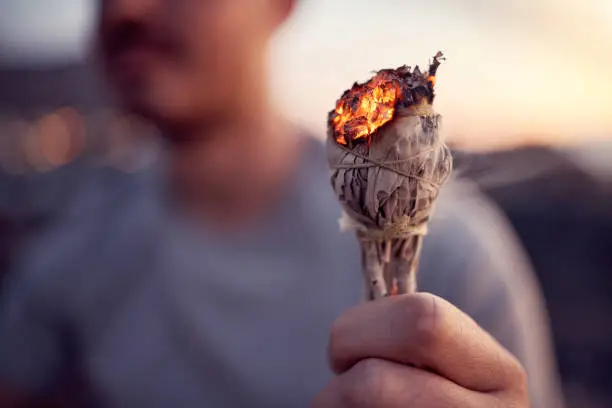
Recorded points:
(402, 228)
(387, 190)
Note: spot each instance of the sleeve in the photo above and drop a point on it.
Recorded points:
(10, 194)
(28, 198)
(486, 274)
(31, 352)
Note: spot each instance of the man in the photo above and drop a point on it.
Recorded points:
(218, 279)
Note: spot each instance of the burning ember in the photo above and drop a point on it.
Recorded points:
(366, 107)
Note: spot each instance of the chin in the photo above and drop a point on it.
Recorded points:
(149, 112)
(163, 112)
(175, 107)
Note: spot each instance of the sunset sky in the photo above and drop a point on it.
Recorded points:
(516, 70)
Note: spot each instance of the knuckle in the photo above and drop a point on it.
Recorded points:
(520, 378)
(517, 388)
(335, 337)
(426, 314)
(515, 372)
(513, 398)
(365, 385)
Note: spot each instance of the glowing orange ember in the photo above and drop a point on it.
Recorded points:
(365, 108)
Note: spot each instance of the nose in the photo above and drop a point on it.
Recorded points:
(114, 11)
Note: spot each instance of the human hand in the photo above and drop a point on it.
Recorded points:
(418, 351)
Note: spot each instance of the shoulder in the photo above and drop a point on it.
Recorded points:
(473, 258)
(86, 215)
(471, 245)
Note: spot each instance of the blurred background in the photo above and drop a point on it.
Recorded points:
(526, 95)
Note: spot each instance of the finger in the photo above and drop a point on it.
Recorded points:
(425, 331)
(383, 384)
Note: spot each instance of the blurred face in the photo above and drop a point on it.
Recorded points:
(176, 61)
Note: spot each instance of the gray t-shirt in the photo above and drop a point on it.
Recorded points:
(154, 311)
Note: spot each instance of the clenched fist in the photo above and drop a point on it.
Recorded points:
(418, 351)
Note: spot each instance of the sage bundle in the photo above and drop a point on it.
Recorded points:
(388, 163)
